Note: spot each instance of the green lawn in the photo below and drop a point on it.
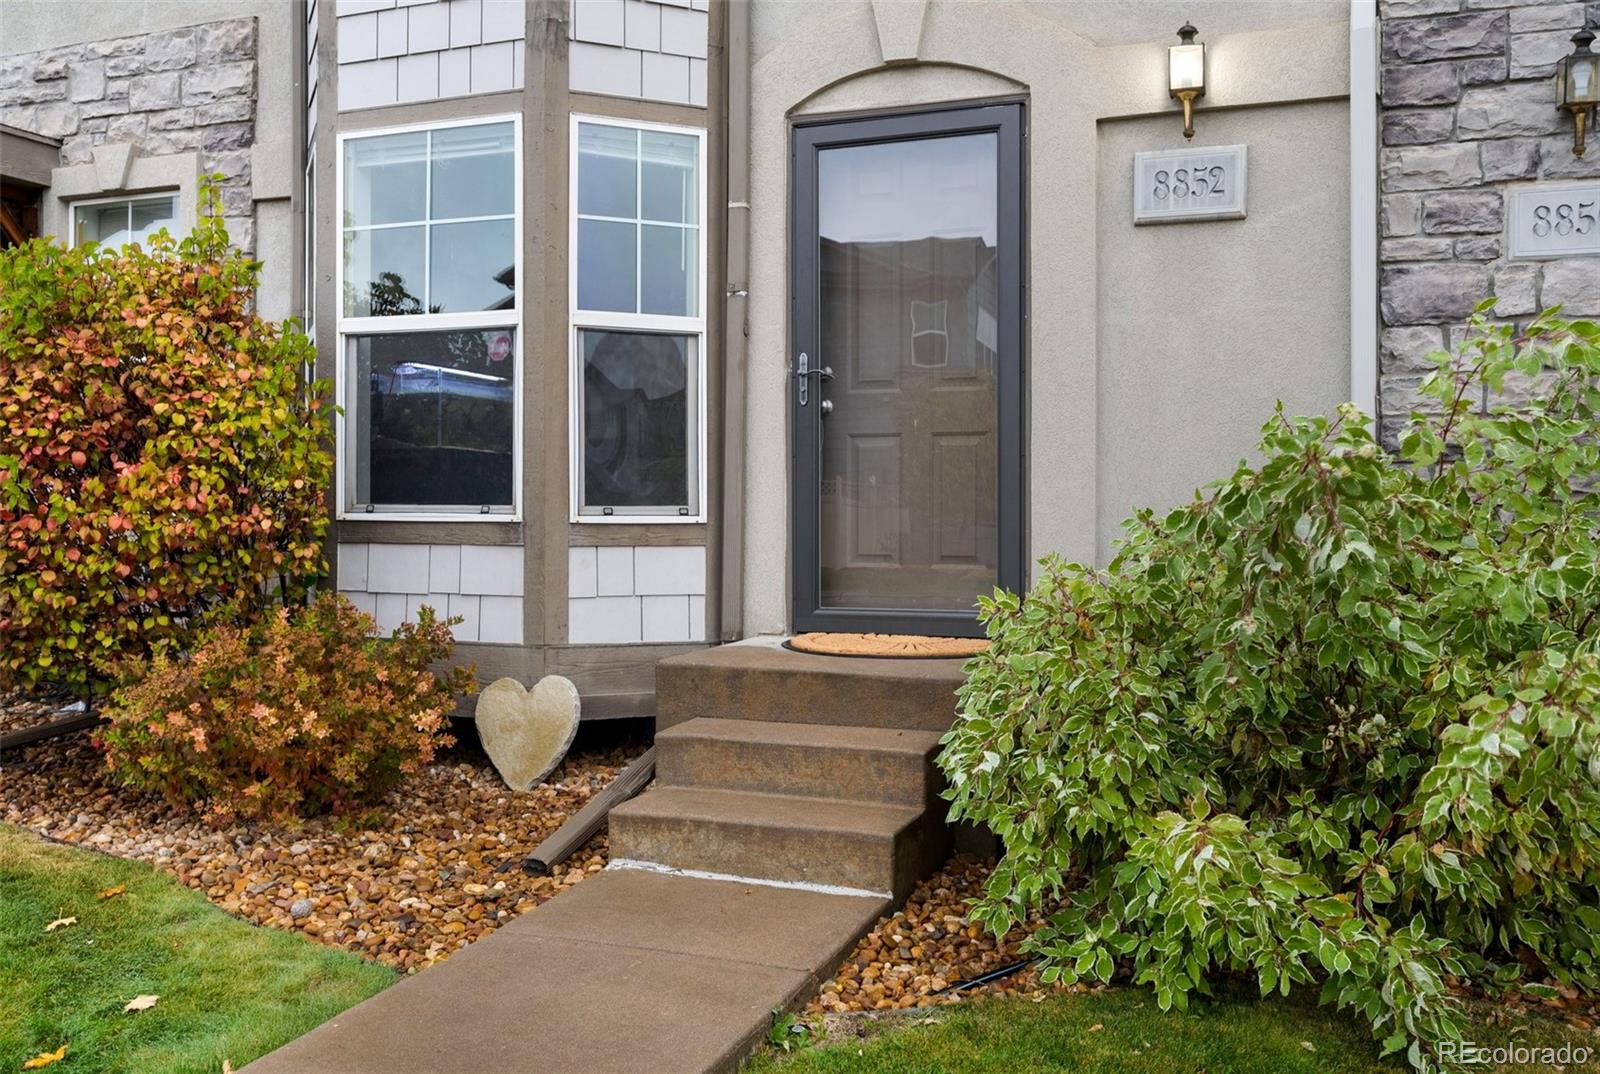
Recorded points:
(1235, 1035)
(228, 990)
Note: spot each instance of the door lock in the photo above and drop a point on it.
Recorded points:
(805, 373)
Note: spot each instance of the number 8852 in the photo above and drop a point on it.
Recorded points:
(1186, 182)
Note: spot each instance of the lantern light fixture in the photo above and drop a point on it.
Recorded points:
(1578, 86)
(1186, 74)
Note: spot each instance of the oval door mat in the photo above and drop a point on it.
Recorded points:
(890, 645)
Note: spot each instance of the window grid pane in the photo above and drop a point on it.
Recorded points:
(662, 151)
(479, 143)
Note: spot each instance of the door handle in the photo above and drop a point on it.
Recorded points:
(805, 373)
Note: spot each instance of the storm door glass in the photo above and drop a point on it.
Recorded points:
(907, 303)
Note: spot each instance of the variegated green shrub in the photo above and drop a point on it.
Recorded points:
(1335, 722)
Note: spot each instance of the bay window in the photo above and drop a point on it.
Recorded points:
(638, 321)
(430, 282)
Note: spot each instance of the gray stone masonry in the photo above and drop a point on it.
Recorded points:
(193, 88)
(1468, 108)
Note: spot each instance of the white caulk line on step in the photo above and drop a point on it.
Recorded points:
(791, 885)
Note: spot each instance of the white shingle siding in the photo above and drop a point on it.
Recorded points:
(616, 571)
(481, 584)
(582, 568)
(367, 85)
(402, 51)
(603, 621)
(622, 594)
(645, 49)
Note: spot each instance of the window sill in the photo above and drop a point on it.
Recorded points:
(639, 520)
(414, 516)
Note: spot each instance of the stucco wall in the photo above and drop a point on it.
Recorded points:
(1204, 327)
(854, 55)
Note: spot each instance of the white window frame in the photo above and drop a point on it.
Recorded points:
(487, 320)
(177, 230)
(598, 320)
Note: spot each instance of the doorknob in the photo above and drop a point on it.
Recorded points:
(827, 407)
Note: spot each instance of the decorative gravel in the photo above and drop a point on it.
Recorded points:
(439, 868)
(928, 945)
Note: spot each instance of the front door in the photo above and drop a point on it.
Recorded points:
(907, 369)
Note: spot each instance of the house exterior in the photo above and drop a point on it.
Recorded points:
(663, 323)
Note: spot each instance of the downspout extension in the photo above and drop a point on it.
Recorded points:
(736, 328)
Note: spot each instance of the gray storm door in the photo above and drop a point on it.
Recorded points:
(906, 370)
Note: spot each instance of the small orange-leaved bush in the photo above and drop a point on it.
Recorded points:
(294, 714)
(162, 455)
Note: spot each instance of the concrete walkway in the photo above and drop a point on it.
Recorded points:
(630, 971)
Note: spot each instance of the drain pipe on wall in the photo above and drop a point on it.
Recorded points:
(736, 328)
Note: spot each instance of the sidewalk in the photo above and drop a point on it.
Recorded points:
(630, 971)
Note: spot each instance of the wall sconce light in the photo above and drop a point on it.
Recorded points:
(1578, 85)
(1186, 74)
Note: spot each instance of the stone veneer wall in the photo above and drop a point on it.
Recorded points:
(192, 88)
(1468, 111)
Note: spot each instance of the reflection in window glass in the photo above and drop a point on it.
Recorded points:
(608, 171)
(668, 273)
(117, 223)
(472, 266)
(638, 424)
(430, 221)
(383, 272)
(667, 171)
(431, 418)
(606, 270)
(473, 172)
(385, 179)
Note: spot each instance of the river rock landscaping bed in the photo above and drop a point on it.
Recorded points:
(928, 945)
(431, 869)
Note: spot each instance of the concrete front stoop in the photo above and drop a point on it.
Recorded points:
(795, 802)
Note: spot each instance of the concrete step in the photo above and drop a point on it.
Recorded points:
(861, 764)
(760, 680)
(864, 846)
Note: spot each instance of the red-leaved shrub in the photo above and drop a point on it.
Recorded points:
(291, 715)
(161, 454)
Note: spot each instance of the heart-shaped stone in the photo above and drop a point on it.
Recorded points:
(527, 732)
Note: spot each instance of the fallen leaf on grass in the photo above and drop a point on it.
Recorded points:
(60, 923)
(1308, 1046)
(1097, 1027)
(44, 1059)
(141, 1003)
(111, 893)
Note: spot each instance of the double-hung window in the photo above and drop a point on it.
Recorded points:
(430, 282)
(638, 321)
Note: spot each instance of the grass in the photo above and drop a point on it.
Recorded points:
(228, 990)
(1123, 1032)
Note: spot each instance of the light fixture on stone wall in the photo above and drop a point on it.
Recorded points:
(1186, 74)
(1578, 86)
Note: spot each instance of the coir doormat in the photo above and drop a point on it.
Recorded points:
(901, 646)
